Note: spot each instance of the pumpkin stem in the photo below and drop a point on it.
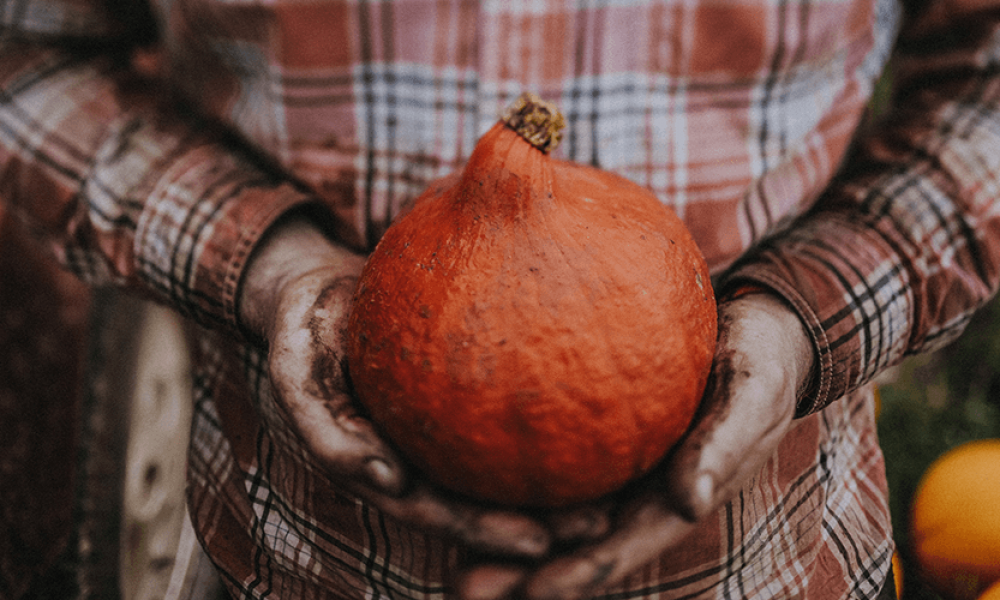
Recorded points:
(537, 121)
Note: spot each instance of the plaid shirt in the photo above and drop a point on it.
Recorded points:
(739, 114)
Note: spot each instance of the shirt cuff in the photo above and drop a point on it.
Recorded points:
(192, 254)
(855, 302)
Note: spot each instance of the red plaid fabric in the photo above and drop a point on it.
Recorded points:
(739, 114)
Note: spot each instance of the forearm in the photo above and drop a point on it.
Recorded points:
(127, 188)
(903, 247)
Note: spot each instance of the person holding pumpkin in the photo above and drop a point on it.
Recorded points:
(243, 176)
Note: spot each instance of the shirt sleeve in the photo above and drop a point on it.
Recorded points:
(904, 246)
(121, 182)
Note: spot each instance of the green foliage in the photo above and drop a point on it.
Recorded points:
(932, 404)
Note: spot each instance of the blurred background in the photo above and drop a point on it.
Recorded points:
(932, 404)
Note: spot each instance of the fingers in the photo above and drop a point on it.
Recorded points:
(762, 355)
(642, 534)
(487, 530)
(347, 445)
(762, 358)
(310, 386)
(584, 523)
(352, 452)
(491, 581)
(350, 448)
(646, 526)
(312, 400)
(725, 449)
(355, 456)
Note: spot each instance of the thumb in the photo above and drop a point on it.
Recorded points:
(748, 405)
(310, 386)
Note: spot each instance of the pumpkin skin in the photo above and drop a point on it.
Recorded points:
(533, 332)
(955, 520)
(991, 593)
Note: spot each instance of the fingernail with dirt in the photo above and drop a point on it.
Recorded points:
(382, 475)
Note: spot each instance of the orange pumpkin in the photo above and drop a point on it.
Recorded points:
(955, 520)
(991, 593)
(534, 331)
(898, 574)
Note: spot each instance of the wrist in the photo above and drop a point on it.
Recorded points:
(292, 248)
(787, 323)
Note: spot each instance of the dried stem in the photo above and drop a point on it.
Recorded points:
(537, 121)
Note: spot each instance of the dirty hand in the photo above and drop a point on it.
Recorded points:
(296, 295)
(764, 356)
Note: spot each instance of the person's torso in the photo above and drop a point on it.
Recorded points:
(734, 112)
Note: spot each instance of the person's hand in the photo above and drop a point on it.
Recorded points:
(764, 356)
(296, 295)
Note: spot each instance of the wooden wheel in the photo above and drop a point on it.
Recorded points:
(136, 535)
